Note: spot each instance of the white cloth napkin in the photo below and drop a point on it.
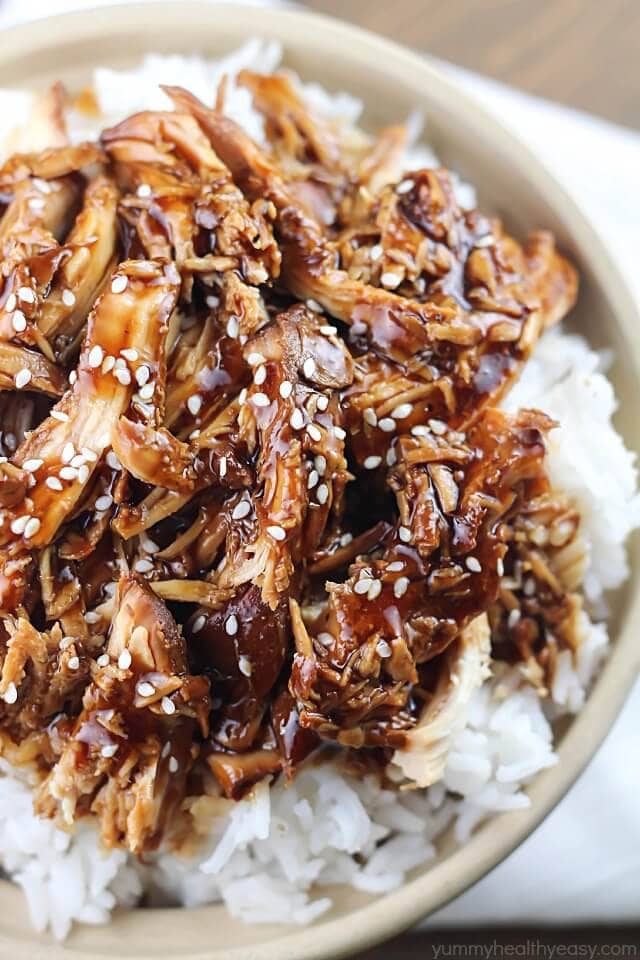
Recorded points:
(583, 864)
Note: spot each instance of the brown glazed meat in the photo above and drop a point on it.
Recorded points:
(256, 494)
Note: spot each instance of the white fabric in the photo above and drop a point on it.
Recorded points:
(583, 864)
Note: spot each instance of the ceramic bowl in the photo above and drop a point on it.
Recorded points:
(391, 81)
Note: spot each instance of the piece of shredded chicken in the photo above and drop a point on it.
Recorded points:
(255, 491)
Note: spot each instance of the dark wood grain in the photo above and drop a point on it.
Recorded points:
(585, 53)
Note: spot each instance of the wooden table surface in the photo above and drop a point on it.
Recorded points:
(585, 53)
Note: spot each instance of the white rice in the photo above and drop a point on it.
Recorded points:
(269, 856)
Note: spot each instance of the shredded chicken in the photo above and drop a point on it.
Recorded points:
(423, 756)
(127, 756)
(255, 491)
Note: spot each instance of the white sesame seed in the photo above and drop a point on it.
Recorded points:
(322, 402)
(514, 616)
(529, 587)
(233, 327)
(142, 375)
(166, 750)
(10, 694)
(168, 706)
(119, 284)
(369, 416)
(405, 534)
(276, 532)
(22, 378)
(53, 483)
(314, 433)
(260, 376)
(147, 391)
(362, 585)
(103, 660)
(68, 452)
(31, 528)
(122, 376)
(400, 587)
(320, 464)
(241, 510)
(69, 473)
(322, 493)
(473, 564)
(389, 279)
(145, 689)
(112, 461)
(18, 525)
(130, 354)
(73, 376)
(73, 663)
(376, 252)
(32, 465)
(77, 461)
(487, 241)
(244, 665)
(296, 419)
(124, 660)
(402, 410)
(36, 203)
(254, 359)
(108, 364)
(340, 433)
(438, 427)
(18, 321)
(27, 295)
(309, 367)
(500, 567)
(104, 502)
(194, 403)
(96, 356)
(383, 649)
(198, 623)
(326, 639)
(371, 463)
(391, 457)
(60, 415)
(223, 467)
(312, 479)
(92, 616)
(387, 424)
(109, 750)
(286, 389)
(143, 565)
(420, 430)
(173, 765)
(374, 590)
(10, 303)
(328, 330)
(405, 186)
(83, 473)
(144, 190)
(68, 298)
(314, 305)
(260, 400)
(395, 567)
(212, 301)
